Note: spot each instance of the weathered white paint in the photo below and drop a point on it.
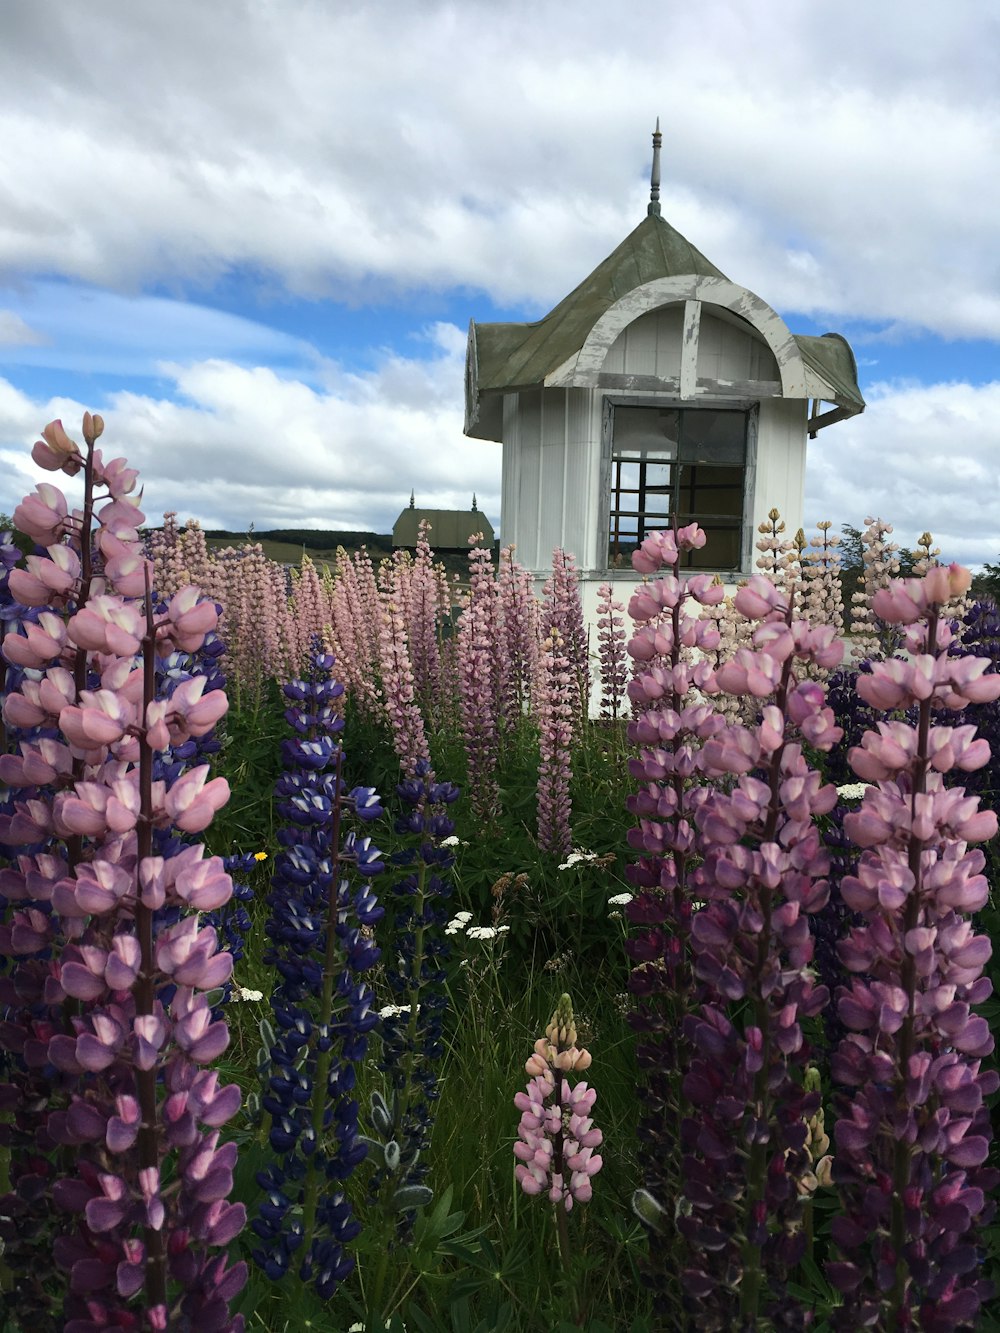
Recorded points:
(582, 369)
(689, 349)
(781, 462)
(650, 346)
(551, 474)
(701, 347)
(731, 350)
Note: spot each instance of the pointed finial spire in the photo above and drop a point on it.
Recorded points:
(474, 507)
(653, 210)
(412, 501)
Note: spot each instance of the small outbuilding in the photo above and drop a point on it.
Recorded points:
(451, 529)
(659, 389)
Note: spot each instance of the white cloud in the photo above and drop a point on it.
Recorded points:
(846, 163)
(79, 328)
(235, 445)
(922, 457)
(14, 332)
(241, 445)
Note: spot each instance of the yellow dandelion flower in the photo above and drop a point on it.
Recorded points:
(260, 856)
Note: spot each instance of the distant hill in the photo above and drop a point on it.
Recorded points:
(313, 539)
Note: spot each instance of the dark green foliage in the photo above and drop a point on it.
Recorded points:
(313, 539)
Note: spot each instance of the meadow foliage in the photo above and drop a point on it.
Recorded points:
(761, 868)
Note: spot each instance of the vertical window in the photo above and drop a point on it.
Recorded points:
(683, 464)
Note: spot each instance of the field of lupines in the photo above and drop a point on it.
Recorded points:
(380, 954)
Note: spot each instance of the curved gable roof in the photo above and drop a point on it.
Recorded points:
(508, 358)
(517, 356)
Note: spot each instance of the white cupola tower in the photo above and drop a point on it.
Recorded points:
(657, 390)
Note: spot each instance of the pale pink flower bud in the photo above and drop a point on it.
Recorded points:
(42, 516)
(108, 625)
(192, 800)
(58, 441)
(28, 588)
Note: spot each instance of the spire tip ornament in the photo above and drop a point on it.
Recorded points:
(654, 178)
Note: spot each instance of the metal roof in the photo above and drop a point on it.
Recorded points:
(517, 356)
(507, 358)
(450, 528)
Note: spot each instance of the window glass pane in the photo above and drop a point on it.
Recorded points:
(646, 430)
(649, 491)
(721, 550)
(713, 437)
(657, 476)
(628, 477)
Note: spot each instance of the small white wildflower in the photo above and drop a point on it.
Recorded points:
(243, 993)
(853, 791)
(458, 922)
(576, 855)
(450, 842)
(484, 932)
(394, 1010)
(620, 899)
(614, 916)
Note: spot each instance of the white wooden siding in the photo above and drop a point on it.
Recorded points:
(727, 352)
(781, 462)
(551, 475)
(649, 346)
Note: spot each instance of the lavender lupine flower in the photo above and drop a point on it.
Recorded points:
(562, 610)
(520, 615)
(913, 1138)
(107, 998)
(322, 1006)
(553, 707)
(402, 709)
(671, 722)
(761, 878)
(427, 606)
(611, 651)
(556, 1135)
(354, 604)
(481, 677)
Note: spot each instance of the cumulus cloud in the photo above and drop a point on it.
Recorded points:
(77, 328)
(234, 445)
(922, 457)
(849, 167)
(14, 332)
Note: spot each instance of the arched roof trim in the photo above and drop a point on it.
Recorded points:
(581, 370)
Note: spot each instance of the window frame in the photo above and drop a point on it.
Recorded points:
(749, 409)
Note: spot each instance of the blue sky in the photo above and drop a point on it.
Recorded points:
(253, 234)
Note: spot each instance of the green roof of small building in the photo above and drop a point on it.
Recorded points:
(510, 358)
(450, 529)
(519, 356)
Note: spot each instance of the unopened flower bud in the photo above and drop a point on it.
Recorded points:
(93, 427)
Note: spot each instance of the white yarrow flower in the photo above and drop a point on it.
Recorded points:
(577, 855)
(244, 993)
(620, 899)
(853, 791)
(485, 932)
(458, 922)
(394, 1010)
